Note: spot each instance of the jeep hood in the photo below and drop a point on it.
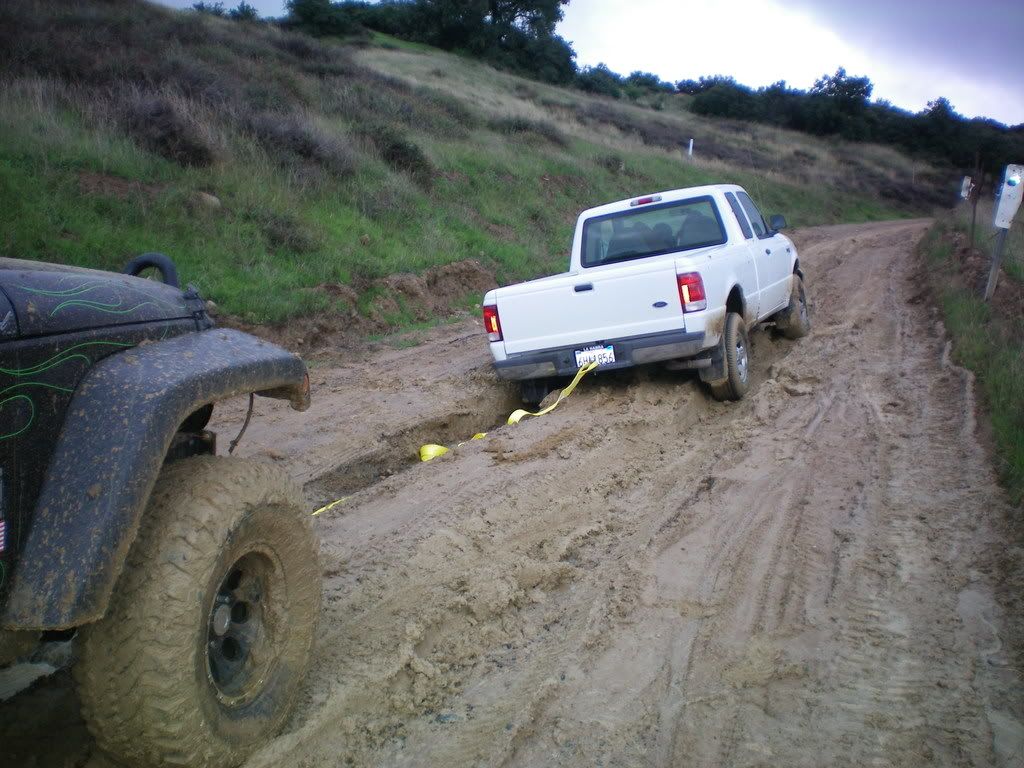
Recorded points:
(38, 299)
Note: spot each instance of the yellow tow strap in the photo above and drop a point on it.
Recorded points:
(330, 506)
(431, 451)
(519, 415)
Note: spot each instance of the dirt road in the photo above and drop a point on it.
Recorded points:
(818, 575)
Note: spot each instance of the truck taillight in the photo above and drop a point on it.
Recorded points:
(491, 323)
(691, 292)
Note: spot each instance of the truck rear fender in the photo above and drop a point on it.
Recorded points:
(736, 302)
(112, 445)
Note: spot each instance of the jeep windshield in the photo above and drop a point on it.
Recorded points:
(652, 230)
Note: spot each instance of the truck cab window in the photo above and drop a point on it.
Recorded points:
(756, 219)
(741, 217)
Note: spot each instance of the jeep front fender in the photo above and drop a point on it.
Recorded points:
(116, 433)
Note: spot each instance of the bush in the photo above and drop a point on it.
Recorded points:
(518, 126)
(244, 12)
(164, 126)
(653, 132)
(600, 80)
(289, 137)
(400, 153)
(649, 81)
(726, 100)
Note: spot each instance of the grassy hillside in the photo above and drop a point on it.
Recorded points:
(288, 176)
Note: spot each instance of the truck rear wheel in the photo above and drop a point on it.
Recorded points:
(204, 646)
(794, 322)
(533, 391)
(737, 361)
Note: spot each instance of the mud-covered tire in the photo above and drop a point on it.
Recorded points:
(794, 322)
(533, 391)
(737, 361)
(156, 677)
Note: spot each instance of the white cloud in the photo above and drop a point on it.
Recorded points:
(755, 42)
(759, 42)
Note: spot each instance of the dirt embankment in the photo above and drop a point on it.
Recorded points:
(813, 576)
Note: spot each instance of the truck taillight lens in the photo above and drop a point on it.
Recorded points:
(691, 292)
(492, 324)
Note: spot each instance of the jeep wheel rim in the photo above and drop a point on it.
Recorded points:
(803, 307)
(242, 635)
(741, 359)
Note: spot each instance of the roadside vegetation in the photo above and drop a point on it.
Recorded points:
(292, 176)
(988, 338)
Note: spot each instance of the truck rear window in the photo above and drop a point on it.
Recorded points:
(651, 231)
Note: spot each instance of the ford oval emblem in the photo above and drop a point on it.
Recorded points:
(660, 304)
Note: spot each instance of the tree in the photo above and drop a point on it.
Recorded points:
(600, 80)
(726, 99)
(649, 81)
(244, 12)
(852, 93)
(536, 16)
(213, 9)
(320, 17)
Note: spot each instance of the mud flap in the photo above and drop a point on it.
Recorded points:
(716, 372)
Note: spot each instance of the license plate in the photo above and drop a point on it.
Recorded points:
(599, 355)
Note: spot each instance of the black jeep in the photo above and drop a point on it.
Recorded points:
(191, 580)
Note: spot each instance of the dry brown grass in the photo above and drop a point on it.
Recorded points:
(719, 144)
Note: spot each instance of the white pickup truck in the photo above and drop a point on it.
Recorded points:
(676, 277)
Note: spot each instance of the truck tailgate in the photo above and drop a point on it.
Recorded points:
(614, 301)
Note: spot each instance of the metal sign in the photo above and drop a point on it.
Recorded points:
(965, 188)
(1009, 195)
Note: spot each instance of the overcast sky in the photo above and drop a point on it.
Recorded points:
(913, 50)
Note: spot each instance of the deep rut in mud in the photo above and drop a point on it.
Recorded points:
(813, 576)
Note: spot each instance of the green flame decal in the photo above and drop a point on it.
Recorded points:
(76, 291)
(106, 308)
(110, 308)
(32, 415)
(62, 357)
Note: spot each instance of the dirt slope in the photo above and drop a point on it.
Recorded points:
(645, 577)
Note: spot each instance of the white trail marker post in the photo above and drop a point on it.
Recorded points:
(1007, 202)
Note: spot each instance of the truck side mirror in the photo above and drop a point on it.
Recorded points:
(778, 221)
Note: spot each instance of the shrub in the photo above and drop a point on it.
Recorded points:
(164, 126)
(400, 153)
(517, 125)
(285, 232)
(600, 80)
(613, 163)
(244, 12)
(289, 137)
(653, 132)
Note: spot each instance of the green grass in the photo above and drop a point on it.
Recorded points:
(985, 236)
(290, 222)
(990, 345)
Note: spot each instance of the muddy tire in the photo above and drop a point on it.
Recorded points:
(204, 646)
(794, 322)
(533, 391)
(737, 361)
